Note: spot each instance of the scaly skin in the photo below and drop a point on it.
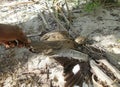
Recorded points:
(54, 41)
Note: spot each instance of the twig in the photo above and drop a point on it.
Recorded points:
(68, 23)
(44, 20)
(68, 10)
(55, 17)
(69, 15)
(33, 35)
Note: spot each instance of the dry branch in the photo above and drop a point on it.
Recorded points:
(67, 21)
(33, 35)
(44, 20)
(55, 17)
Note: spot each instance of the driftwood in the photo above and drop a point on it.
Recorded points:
(101, 76)
(112, 68)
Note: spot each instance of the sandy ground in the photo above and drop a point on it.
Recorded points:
(102, 27)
